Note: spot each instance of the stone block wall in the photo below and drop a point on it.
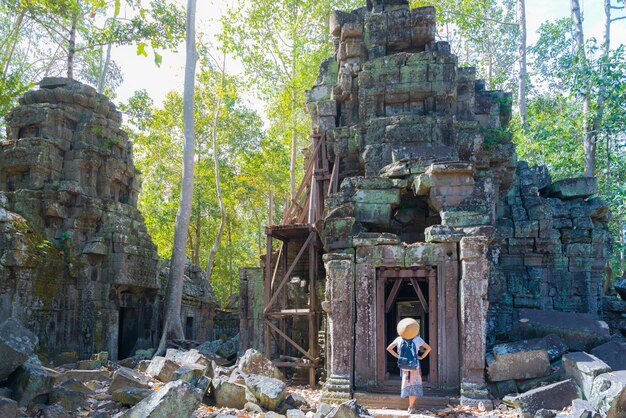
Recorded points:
(77, 265)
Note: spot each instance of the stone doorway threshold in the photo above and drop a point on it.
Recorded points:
(392, 405)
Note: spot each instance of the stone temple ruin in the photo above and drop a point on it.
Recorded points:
(414, 204)
(77, 265)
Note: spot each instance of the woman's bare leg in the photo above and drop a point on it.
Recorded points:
(412, 401)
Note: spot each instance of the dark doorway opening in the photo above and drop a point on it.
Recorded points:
(189, 328)
(128, 332)
(407, 305)
(403, 293)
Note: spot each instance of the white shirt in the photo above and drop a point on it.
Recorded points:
(417, 341)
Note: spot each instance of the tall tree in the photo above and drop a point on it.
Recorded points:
(522, 74)
(281, 44)
(173, 327)
(589, 143)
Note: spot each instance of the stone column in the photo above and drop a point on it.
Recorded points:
(474, 305)
(339, 305)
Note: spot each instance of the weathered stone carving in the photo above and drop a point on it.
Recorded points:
(429, 177)
(77, 266)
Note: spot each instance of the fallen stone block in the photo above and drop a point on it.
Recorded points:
(269, 391)
(573, 188)
(295, 413)
(517, 361)
(175, 399)
(31, 381)
(17, 344)
(130, 396)
(577, 330)
(557, 375)
(231, 395)
(8, 408)
(191, 357)
(86, 375)
(71, 394)
(124, 377)
(612, 353)
(349, 409)
(162, 368)
(297, 401)
(253, 362)
(584, 368)
(52, 411)
(555, 396)
(608, 394)
(203, 384)
(190, 373)
(579, 409)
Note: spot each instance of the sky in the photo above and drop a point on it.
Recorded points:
(141, 72)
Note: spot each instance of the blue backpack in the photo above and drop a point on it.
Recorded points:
(408, 356)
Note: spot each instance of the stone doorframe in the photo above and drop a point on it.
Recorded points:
(350, 303)
(428, 301)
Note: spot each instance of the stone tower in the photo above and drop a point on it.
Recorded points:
(435, 218)
(77, 265)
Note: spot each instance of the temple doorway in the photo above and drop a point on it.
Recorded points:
(128, 332)
(403, 293)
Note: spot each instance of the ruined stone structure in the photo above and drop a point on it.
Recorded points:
(76, 263)
(435, 218)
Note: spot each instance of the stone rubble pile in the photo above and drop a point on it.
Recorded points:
(173, 385)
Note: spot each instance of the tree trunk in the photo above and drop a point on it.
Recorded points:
(522, 75)
(104, 70)
(589, 144)
(218, 184)
(173, 327)
(294, 146)
(597, 119)
(71, 50)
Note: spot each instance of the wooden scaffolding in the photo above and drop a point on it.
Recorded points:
(300, 250)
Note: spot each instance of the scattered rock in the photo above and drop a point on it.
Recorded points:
(191, 357)
(253, 362)
(71, 394)
(612, 353)
(517, 361)
(190, 373)
(557, 375)
(545, 413)
(269, 391)
(175, 399)
(295, 413)
(228, 349)
(97, 361)
(31, 381)
(555, 396)
(130, 396)
(349, 409)
(237, 376)
(52, 411)
(8, 408)
(252, 407)
(162, 368)
(17, 344)
(584, 368)
(577, 330)
(230, 395)
(124, 377)
(579, 409)
(297, 401)
(86, 375)
(608, 394)
(203, 384)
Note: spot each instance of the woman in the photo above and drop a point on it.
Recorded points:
(408, 332)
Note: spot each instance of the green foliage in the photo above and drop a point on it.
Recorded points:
(470, 25)
(246, 157)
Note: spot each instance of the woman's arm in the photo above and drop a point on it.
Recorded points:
(391, 350)
(427, 349)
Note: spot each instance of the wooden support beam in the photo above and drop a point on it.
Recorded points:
(392, 296)
(268, 290)
(420, 295)
(289, 340)
(308, 242)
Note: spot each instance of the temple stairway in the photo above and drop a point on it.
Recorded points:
(384, 405)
